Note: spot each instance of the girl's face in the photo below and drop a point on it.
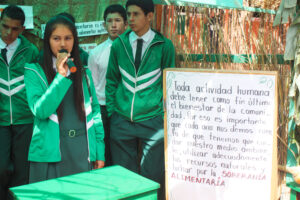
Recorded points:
(61, 38)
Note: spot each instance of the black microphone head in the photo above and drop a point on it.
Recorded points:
(63, 51)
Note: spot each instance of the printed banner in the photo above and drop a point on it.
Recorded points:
(88, 47)
(86, 28)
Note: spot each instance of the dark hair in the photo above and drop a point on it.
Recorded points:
(67, 15)
(14, 12)
(115, 8)
(47, 63)
(146, 5)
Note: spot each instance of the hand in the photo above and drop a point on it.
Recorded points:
(98, 164)
(61, 64)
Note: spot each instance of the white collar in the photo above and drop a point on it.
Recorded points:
(12, 46)
(109, 41)
(146, 37)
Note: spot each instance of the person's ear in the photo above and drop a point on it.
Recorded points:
(150, 16)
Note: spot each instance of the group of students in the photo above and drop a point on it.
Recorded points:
(53, 120)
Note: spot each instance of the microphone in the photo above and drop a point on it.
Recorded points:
(70, 63)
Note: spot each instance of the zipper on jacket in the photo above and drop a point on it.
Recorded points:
(10, 104)
(133, 97)
(17, 53)
(136, 72)
(8, 70)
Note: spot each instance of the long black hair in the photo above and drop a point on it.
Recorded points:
(47, 62)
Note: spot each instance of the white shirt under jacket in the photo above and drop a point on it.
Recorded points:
(97, 63)
(11, 48)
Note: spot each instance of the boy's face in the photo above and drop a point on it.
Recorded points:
(115, 25)
(138, 21)
(10, 29)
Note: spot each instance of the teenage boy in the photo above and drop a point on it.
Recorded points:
(115, 22)
(134, 93)
(15, 117)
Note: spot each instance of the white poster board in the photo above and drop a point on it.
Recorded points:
(220, 135)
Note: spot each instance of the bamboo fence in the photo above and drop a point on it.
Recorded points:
(212, 31)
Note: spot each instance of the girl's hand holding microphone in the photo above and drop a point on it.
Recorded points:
(61, 62)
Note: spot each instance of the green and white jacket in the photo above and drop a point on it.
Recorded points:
(137, 96)
(43, 100)
(14, 107)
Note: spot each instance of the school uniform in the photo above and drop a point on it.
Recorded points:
(15, 116)
(66, 146)
(134, 95)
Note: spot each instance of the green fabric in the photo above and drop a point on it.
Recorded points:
(43, 100)
(14, 108)
(220, 5)
(132, 94)
(84, 56)
(108, 183)
(215, 3)
(74, 151)
(70, 119)
(230, 58)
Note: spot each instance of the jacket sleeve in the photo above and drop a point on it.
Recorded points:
(43, 100)
(112, 81)
(35, 54)
(168, 60)
(98, 125)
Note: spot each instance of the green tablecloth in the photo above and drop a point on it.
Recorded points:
(113, 182)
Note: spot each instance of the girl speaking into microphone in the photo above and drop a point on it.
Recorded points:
(68, 132)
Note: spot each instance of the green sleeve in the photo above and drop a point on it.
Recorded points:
(35, 54)
(43, 100)
(98, 125)
(112, 81)
(168, 59)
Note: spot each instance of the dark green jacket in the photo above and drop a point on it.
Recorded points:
(43, 100)
(137, 96)
(13, 102)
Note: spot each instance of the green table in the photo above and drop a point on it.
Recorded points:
(113, 182)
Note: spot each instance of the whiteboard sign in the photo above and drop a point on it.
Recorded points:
(220, 134)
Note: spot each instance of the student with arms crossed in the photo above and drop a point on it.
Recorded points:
(67, 133)
(134, 95)
(15, 116)
(115, 22)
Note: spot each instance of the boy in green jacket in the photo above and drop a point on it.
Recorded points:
(134, 93)
(15, 116)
